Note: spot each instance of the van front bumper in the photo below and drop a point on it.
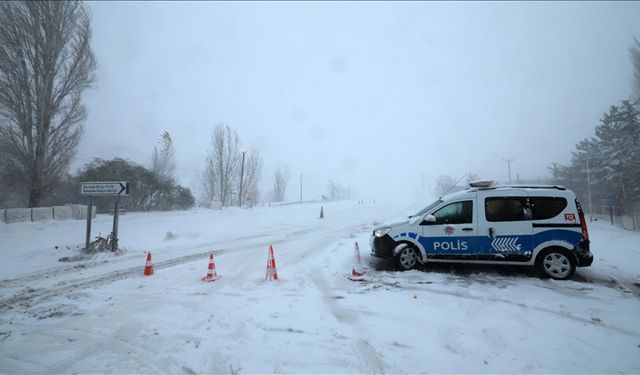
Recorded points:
(382, 247)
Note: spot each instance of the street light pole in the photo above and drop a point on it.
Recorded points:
(300, 188)
(241, 176)
(508, 161)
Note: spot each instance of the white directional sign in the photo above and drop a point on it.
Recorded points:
(105, 188)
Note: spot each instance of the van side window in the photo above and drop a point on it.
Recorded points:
(507, 209)
(455, 213)
(547, 207)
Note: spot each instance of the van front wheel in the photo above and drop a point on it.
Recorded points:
(556, 263)
(406, 258)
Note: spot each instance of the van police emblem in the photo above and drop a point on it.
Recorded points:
(449, 230)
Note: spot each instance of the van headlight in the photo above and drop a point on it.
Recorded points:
(381, 231)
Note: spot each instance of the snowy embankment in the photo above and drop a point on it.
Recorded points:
(101, 314)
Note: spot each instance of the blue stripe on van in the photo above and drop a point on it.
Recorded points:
(497, 245)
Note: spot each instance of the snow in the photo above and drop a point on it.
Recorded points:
(101, 315)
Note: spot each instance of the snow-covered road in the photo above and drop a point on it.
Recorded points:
(101, 315)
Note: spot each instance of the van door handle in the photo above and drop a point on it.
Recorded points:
(492, 232)
(467, 229)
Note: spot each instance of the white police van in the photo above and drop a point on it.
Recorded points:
(541, 226)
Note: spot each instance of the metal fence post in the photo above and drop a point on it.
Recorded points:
(114, 240)
(89, 209)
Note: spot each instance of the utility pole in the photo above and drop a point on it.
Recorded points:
(300, 188)
(508, 161)
(241, 176)
(589, 191)
(555, 173)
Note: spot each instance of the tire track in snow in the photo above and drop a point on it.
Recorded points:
(342, 314)
(283, 235)
(566, 315)
(609, 280)
(95, 344)
(27, 297)
(20, 360)
(117, 345)
(370, 361)
(89, 263)
(24, 297)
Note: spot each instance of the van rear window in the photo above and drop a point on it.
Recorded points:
(547, 207)
(523, 208)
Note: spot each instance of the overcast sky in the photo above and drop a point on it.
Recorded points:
(373, 95)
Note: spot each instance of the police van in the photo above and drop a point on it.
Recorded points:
(541, 226)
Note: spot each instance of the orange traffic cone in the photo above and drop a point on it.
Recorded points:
(357, 271)
(211, 272)
(272, 273)
(148, 267)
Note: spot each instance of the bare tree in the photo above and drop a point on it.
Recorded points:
(209, 181)
(222, 165)
(163, 162)
(634, 51)
(337, 191)
(281, 179)
(332, 190)
(444, 185)
(46, 62)
(252, 172)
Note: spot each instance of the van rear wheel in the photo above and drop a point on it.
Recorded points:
(556, 264)
(406, 259)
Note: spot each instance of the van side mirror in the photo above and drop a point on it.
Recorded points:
(428, 220)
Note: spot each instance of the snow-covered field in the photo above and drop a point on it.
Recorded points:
(101, 315)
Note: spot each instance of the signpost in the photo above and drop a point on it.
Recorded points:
(105, 189)
(115, 189)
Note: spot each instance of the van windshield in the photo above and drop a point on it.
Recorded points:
(427, 209)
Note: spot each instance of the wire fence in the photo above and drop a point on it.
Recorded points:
(617, 215)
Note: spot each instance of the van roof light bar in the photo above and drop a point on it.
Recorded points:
(481, 183)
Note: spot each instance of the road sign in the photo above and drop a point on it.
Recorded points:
(105, 188)
(609, 201)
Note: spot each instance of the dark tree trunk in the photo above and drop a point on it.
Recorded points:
(35, 195)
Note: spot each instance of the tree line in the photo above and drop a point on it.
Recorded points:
(46, 62)
(605, 167)
(152, 188)
(231, 174)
